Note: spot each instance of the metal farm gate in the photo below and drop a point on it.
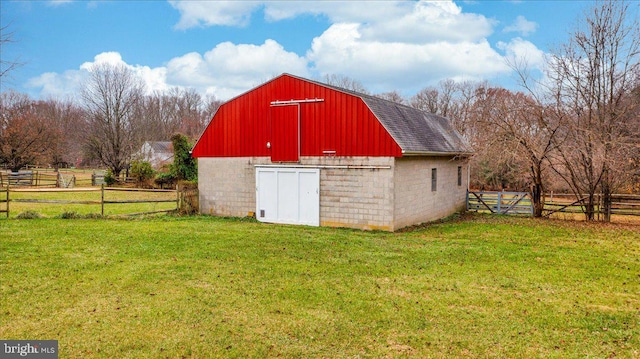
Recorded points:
(500, 202)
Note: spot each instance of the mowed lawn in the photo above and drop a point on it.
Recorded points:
(201, 287)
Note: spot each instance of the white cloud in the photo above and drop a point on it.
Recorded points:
(225, 71)
(430, 21)
(524, 52)
(230, 69)
(110, 58)
(210, 13)
(522, 26)
(387, 45)
(64, 85)
(69, 83)
(391, 20)
(384, 66)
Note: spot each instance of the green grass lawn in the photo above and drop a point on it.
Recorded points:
(206, 287)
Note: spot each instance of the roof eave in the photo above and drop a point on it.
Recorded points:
(436, 154)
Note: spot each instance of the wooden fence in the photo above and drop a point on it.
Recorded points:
(500, 202)
(36, 179)
(520, 203)
(621, 204)
(5, 197)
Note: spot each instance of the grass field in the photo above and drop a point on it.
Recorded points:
(183, 287)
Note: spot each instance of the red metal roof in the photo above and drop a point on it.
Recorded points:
(341, 124)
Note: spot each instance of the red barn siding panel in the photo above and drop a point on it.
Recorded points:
(285, 145)
(342, 123)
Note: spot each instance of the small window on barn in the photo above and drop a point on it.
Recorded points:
(459, 175)
(434, 179)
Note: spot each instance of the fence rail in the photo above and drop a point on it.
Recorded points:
(520, 203)
(36, 179)
(621, 204)
(500, 202)
(5, 197)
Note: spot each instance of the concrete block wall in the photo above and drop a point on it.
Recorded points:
(357, 197)
(415, 202)
(349, 197)
(359, 192)
(227, 185)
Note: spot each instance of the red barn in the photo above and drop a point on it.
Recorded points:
(298, 151)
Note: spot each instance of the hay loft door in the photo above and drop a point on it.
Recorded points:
(285, 133)
(288, 195)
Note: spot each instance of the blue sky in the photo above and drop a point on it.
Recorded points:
(225, 48)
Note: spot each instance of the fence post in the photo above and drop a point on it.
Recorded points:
(102, 200)
(467, 208)
(7, 199)
(177, 198)
(499, 202)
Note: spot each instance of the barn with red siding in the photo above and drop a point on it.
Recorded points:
(298, 151)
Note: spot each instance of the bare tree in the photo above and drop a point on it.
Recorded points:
(189, 113)
(67, 118)
(634, 156)
(6, 65)
(163, 114)
(110, 97)
(345, 82)
(440, 100)
(211, 105)
(393, 96)
(593, 74)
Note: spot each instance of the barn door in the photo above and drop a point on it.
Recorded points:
(288, 195)
(285, 133)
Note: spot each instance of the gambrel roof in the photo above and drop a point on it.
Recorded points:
(330, 119)
(416, 131)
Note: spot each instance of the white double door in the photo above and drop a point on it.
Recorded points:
(288, 195)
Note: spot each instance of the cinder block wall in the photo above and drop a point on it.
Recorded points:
(355, 197)
(227, 185)
(349, 197)
(415, 202)
(395, 193)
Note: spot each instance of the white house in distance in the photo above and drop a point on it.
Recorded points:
(298, 151)
(157, 153)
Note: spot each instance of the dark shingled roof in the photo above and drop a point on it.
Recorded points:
(415, 131)
(161, 146)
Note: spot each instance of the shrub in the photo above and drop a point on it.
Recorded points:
(69, 215)
(109, 178)
(142, 171)
(188, 192)
(184, 166)
(165, 179)
(29, 215)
